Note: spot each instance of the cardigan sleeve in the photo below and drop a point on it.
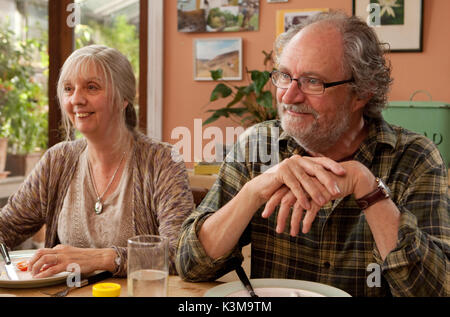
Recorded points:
(40, 197)
(162, 197)
(173, 199)
(24, 213)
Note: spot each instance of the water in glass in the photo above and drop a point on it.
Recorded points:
(148, 283)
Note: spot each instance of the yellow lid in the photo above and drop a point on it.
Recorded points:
(106, 290)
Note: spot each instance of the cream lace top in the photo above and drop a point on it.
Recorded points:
(80, 226)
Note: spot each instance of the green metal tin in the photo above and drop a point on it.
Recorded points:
(430, 118)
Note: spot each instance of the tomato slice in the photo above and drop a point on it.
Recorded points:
(22, 265)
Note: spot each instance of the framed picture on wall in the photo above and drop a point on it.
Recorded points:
(290, 17)
(214, 53)
(218, 15)
(396, 22)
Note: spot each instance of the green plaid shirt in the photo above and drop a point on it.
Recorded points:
(339, 250)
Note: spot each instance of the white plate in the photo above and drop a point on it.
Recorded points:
(270, 287)
(25, 278)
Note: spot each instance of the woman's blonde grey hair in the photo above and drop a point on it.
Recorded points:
(120, 82)
(364, 57)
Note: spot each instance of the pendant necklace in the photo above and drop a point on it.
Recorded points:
(99, 205)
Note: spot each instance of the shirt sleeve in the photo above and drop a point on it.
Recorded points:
(419, 265)
(193, 264)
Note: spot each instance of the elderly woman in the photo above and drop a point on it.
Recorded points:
(96, 192)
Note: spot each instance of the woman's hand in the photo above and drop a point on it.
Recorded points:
(47, 262)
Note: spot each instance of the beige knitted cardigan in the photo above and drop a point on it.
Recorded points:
(162, 196)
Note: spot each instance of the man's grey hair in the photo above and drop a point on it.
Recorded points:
(364, 56)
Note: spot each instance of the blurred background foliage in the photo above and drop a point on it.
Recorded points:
(23, 101)
(118, 34)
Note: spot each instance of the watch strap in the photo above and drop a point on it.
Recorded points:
(373, 197)
(117, 260)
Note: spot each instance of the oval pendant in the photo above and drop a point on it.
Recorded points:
(98, 207)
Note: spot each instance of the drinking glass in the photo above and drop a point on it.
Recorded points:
(148, 266)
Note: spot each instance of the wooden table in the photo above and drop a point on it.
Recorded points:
(176, 288)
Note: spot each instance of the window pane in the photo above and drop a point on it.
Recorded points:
(24, 74)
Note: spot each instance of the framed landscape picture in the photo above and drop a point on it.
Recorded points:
(214, 53)
(290, 17)
(218, 15)
(396, 22)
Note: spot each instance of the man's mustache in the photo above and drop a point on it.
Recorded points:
(300, 108)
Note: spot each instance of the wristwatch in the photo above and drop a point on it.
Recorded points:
(380, 193)
(117, 260)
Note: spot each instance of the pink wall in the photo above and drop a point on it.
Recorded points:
(185, 99)
(430, 69)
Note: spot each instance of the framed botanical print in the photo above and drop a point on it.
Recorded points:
(398, 23)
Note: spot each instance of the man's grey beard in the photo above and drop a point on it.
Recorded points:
(315, 138)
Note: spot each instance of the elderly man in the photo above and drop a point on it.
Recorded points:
(325, 213)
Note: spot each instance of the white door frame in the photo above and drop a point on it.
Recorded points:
(155, 68)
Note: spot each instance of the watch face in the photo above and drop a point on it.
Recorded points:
(117, 260)
(384, 187)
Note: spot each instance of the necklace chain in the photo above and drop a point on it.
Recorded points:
(98, 204)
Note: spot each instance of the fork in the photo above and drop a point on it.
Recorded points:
(84, 282)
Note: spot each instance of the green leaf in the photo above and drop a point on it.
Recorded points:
(265, 99)
(211, 119)
(224, 112)
(259, 80)
(238, 111)
(217, 113)
(246, 90)
(220, 91)
(216, 74)
(239, 95)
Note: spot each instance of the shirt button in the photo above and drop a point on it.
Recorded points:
(326, 265)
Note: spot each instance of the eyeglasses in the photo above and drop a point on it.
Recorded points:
(308, 85)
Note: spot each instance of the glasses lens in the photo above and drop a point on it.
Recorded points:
(312, 86)
(281, 80)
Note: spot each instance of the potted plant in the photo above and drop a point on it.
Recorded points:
(248, 104)
(245, 105)
(23, 103)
